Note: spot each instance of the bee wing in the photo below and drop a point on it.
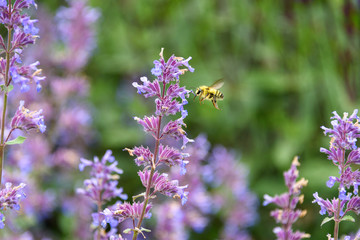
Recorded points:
(218, 84)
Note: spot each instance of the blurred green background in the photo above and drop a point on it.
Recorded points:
(287, 65)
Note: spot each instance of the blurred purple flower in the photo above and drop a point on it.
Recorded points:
(76, 27)
(10, 198)
(216, 196)
(103, 184)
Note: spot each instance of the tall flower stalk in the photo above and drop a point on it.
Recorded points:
(20, 33)
(101, 188)
(343, 152)
(170, 100)
(287, 214)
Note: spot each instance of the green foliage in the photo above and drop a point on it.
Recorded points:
(326, 219)
(18, 140)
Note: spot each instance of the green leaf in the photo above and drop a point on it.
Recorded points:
(327, 219)
(18, 140)
(128, 230)
(145, 230)
(10, 87)
(348, 218)
(139, 195)
(6, 89)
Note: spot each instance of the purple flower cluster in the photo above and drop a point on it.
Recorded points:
(57, 154)
(287, 214)
(25, 119)
(102, 187)
(343, 152)
(74, 24)
(170, 100)
(217, 186)
(10, 198)
(21, 32)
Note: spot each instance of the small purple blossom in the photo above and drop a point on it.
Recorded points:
(26, 120)
(126, 210)
(28, 25)
(163, 185)
(10, 198)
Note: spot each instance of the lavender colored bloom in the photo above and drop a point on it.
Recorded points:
(103, 184)
(28, 25)
(23, 32)
(143, 155)
(150, 124)
(345, 132)
(161, 184)
(170, 222)
(76, 28)
(287, 214)
(343, 152)
(101, 188)
(149, 88)
(10, 197)
(170, 100)
(126, 210)
(26, 120)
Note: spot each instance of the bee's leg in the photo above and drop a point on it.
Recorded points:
(214, 103)
(205, 97)
(195, 97)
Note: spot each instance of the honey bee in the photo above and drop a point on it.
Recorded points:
(210, 93)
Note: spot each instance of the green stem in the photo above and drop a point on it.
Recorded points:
(337, 222)
(5, 100)
(337, 214)
(99, 206)
(148, 187)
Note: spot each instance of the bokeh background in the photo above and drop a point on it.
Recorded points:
(286, 64)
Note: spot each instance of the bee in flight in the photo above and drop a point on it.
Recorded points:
(210, 93)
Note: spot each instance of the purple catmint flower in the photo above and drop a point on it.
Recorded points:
(25, 120)
(287, 214)
(23, 32)
(170, 99)
(103, 184)
(76, 28)
(28, 25)
(127, 210)
(163, 185)
(10, 198)
(342, 152)
(101, 188)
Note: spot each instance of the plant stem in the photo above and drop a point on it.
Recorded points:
(337, 222)
(2, 158)
(99, 206)
(148, 187)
